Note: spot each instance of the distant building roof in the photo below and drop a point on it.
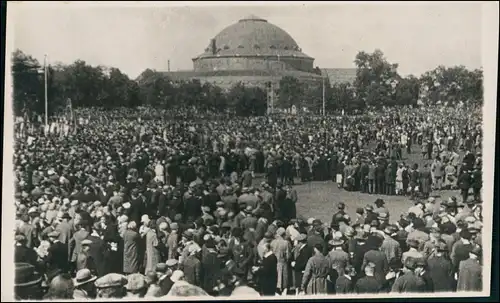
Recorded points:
(339, 75)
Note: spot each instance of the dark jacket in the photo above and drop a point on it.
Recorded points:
(302, 258)
(58, 257)
(211, 268)
(367, 285)
(441, 271)
(268, 275)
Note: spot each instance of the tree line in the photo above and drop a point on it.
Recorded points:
(377, 83)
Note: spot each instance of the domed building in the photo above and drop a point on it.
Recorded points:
(254, 52)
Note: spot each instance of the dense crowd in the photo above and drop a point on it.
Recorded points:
(146, 203)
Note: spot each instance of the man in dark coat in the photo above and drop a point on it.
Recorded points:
(301, 255)
(464, 182)
(23, 254)
(368, 284)
(58, 255)
(136, 207)
(211, 267)
(441, 270)
(268, 272)
(344, 283)
(376, 257)
(99, 253)
(410, 281)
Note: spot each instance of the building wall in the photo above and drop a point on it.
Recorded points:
(252, 63)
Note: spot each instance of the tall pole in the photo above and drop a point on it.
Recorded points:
(272, 97)
(46, 95)
(323, 96)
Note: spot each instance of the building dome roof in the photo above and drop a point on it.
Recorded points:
(253, 36)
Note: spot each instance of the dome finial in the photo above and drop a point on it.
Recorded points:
(253, 18)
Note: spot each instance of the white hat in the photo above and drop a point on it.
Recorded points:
(177, 275)
(122, 218)
(50, 172)
(32, 210)
(41, 200)
(126, 205)
(65, 201)
(145, 218)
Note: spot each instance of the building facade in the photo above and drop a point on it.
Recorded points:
(254, 52)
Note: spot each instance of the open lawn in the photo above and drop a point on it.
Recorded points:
(319, 199)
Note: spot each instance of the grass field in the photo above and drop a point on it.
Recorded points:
(319, 199)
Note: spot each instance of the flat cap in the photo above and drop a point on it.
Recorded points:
(171, 262)
(161, 267)
(111, 280)
(136, 282)
(54, 234)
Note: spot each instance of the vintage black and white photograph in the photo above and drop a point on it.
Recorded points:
(244, 150)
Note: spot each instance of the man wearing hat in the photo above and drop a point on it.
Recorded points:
(370, 215)
(461, 249)
(250, 221)
(368, 284)
(440, 269)
(470, 272)
(64, 229)
(84, 287)
(28, 230)
(23, 254)
(282, 251)
(111, 286)
(27, 282)
(380, 208)
(191, 265)
(58, 256)
(136, 286)
(413, 252)
(83, 259)
(429, 247)
(164, 271)
(339, 214)
(409, 281)
(390, 247)
(358, 253)
(300, 255)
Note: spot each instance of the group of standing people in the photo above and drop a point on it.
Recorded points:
(139, 205)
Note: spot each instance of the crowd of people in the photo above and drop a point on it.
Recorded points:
(146, 203)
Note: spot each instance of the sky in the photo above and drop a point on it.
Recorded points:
(417, 36)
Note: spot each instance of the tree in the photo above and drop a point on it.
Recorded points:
(290, 92)
(407, 91)
(375, 78)
(342, 96)
(452, 85)
(28, 86)
(158, 91)
(247, 101)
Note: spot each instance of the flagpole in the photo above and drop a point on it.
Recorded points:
(323, 96)
(46, 96)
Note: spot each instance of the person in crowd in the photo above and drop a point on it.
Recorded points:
(111, 286)
(410, 281)
(84, 285)
(469, 276)
(368, 284)
(268, 272)
(314, 280)
(184, 195)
